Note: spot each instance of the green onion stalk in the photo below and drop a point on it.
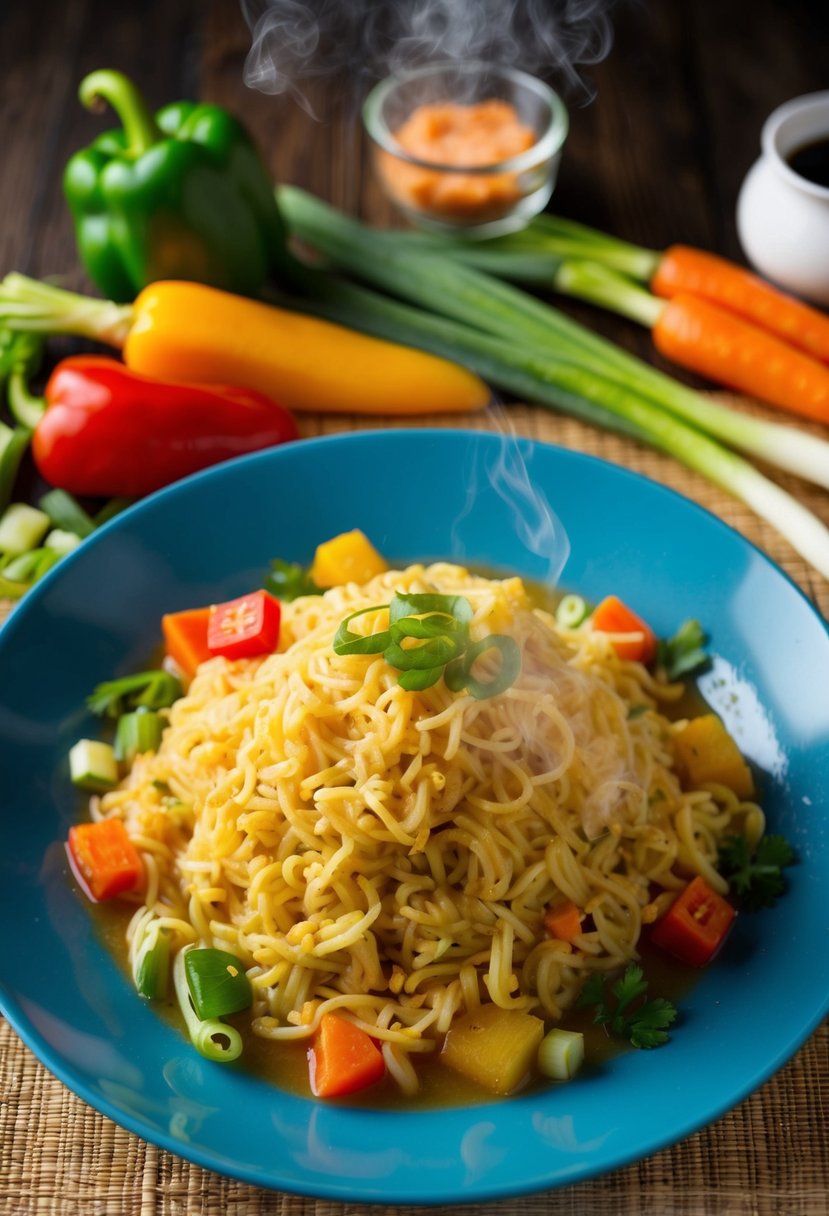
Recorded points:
(420, 271)
(516, 343)
(573, 389)
(213, 1038)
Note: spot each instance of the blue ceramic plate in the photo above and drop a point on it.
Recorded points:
(418, 494)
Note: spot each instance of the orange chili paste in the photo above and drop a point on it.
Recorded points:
(461, 136)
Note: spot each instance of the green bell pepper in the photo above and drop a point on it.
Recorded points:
(182, 195)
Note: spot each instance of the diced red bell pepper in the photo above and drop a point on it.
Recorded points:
(244, 628)
(695, 925)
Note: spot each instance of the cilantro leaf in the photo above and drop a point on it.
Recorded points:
(147, 689)
(288, 581)
(684, 652)
(756, 879)
(630, 1016)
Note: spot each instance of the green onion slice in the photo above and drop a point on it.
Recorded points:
(415, 681)
(435, 625)
(155, 689)
(346, 642)
(561, 1054)
(434, 653)
(137, 732)
(405, 604)
(458, 675)
(152, 964)
(212, 1038)
(218, 983)
(572, 611)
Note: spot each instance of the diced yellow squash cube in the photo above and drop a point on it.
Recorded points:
(347, 558)
(706, 752)
(493, 1046)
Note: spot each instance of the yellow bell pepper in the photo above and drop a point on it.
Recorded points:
(347, 558)
(706, 752)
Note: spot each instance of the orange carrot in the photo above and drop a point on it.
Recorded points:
(725, 348)
(563, 921)
(684, 270)
(104, 858)
(342, 1058)
(634, 639)
(185, 637)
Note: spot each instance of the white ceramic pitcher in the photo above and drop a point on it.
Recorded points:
(782, 218)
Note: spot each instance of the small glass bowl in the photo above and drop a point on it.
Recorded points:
(456, 196)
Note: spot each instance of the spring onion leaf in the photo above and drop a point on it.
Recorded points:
(67, 513)
(684, 652)
(630, 1015)
(436, 652)
(288, 581)
(29, 567)
(147, 689)
(756, 878)
(409, 604)
(441, 624)
(346, 642)
(458, 675)
(416, 681)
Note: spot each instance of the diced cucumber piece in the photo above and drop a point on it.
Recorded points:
(92, 765)
(61, 541)
(22, 527)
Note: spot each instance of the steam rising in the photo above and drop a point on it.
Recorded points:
(533, 519)
(295, 42)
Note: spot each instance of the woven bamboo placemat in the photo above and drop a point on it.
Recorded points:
(768, 1157)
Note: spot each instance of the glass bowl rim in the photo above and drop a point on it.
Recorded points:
(545, 147)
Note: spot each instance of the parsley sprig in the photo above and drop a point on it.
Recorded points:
(288, 581)
(756, 878)
(630, 1015)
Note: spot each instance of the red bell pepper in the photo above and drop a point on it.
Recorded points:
(244, 628)
(108, 431)
(695, 925)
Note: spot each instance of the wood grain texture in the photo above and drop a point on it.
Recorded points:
(656, 156)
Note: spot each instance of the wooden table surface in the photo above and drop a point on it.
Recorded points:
(661, 136)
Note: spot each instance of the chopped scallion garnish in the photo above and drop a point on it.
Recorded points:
(439, 625)
(572, 610)
(148, 689)
(136, 733)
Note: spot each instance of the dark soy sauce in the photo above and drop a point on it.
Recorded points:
(811, 161)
